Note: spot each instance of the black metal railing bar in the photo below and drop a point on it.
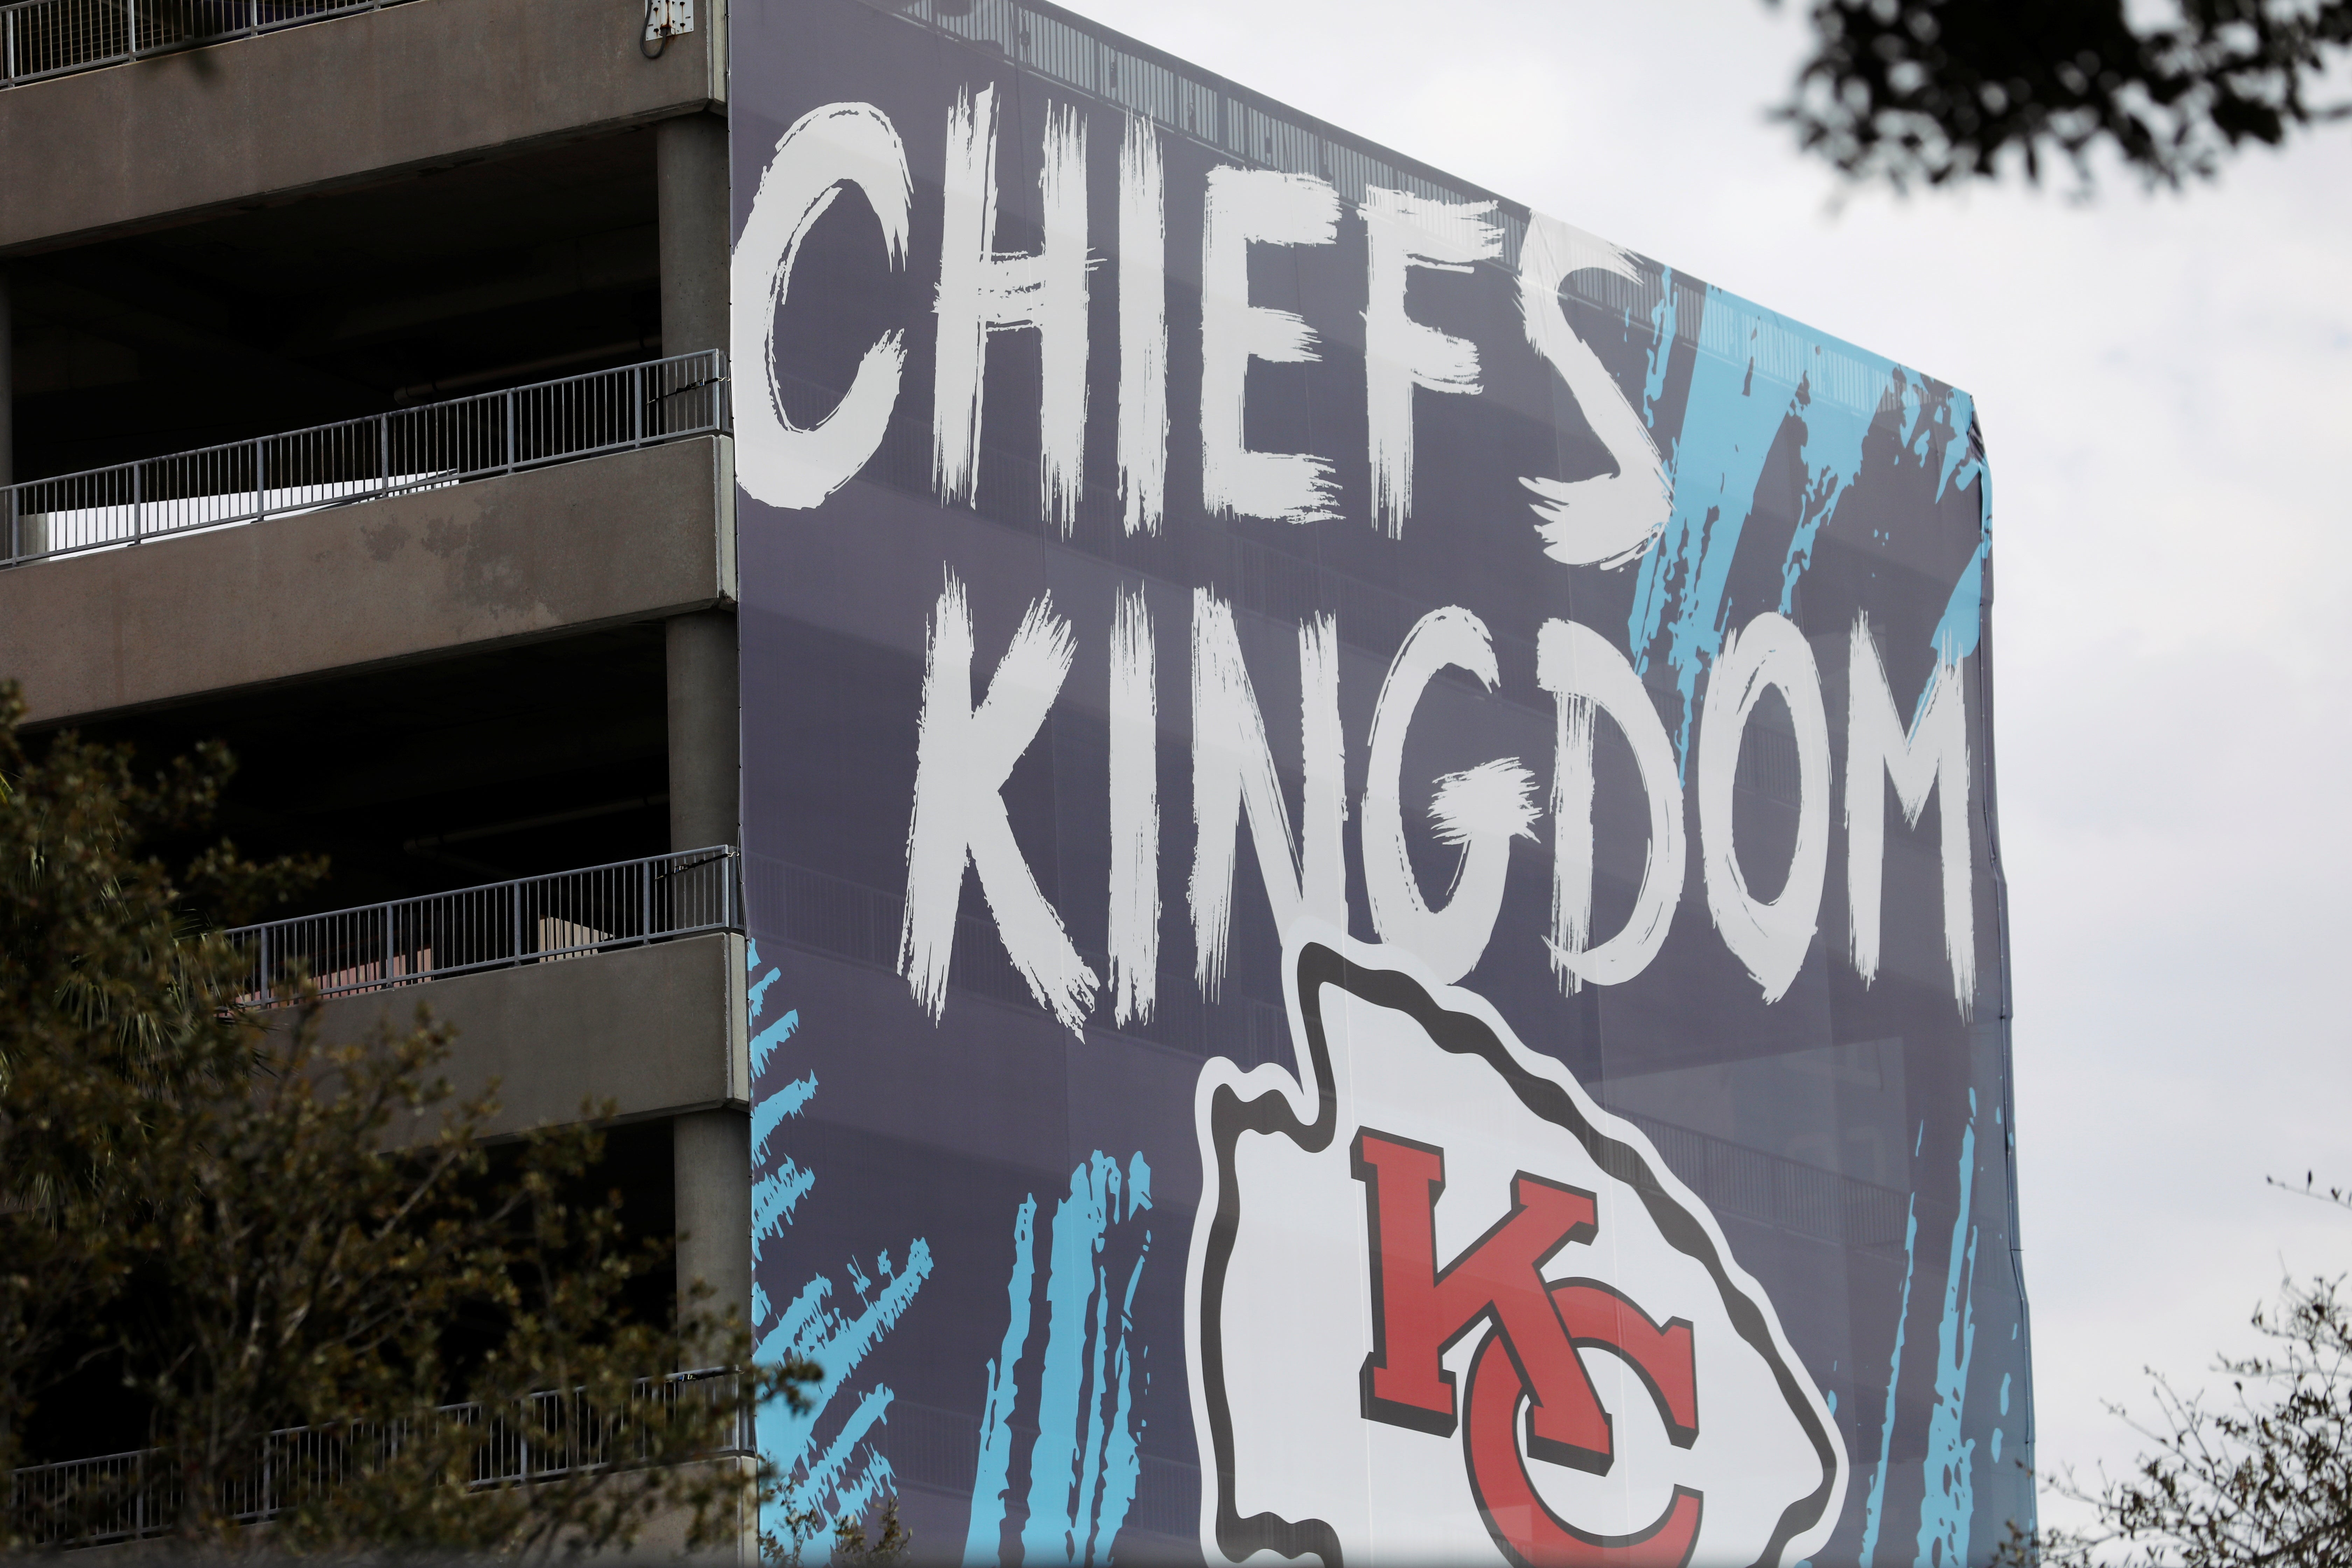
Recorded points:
(42, 38)
(530, 919)
(114, 1497)
(380, 454)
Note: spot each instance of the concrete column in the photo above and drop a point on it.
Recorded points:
(704, 757)
(690, 157)
(711, 1154)
(19, 537)
(7, 388)
(711, 1149)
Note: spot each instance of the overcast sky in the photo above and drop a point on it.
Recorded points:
(2162, 383)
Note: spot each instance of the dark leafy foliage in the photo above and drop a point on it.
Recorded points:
(1937, 90)
(336, 1311)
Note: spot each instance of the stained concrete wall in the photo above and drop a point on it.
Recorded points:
(600, 541)
(431, 83)
(690, 154)
(664, 1537)
(712, 1176)
(659, 1030)
(705, 776)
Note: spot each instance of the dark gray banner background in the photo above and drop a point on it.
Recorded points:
(989, 1206)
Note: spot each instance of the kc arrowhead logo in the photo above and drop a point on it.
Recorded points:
(1443, 1307)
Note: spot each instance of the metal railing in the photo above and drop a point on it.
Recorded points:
(361, 459)
(42, 38)
(531, 919)
(128, 1495)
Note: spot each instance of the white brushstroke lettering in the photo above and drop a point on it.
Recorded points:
(1134, 811)
(1403, 232)
(1587, 676)
(781, 463)
(1610, 520)
(1771, 938)
(1142, 329)
(1932, 756)
(963, 755)
(1232, 771)
(1245, 206)
(982, 291)
(1481, 810)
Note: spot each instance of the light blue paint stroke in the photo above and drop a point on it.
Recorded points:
(776, 1033)
(1954, 637)
(1948, 1498)
(1741, 392)
(1832, 458)
(1123, 1461)
(1943, 438)
(759, 992)
(1715, 462)
(1117, 1462)
(1878, 1501)
(1049, 1533)
(1086, 1463)
(1090, 1466)
(1112, 1463)
(792, 1324)
(839, 1345)
(1731, 418)
(765, 1042)
(847, 1474)
(853, 1499)
(1996, 1444)
(1661, 348)
(837, 1341)
(825, 1472)
(775, 1193)
(768, 1111)
(1957, 630)
(1961, 464)
(773, 1198)
(992, 1482)
(2004, 1390)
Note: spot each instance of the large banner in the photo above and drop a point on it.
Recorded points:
(1376, 930)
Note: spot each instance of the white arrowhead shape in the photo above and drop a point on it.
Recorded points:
(1283, 1308)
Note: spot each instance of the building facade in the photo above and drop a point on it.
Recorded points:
(249, 277)
(777, 547)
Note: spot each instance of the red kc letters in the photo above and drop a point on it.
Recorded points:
(1420, 1311)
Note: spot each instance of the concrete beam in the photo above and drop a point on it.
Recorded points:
(658, 1030)
(628, 537)
(333, 104)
